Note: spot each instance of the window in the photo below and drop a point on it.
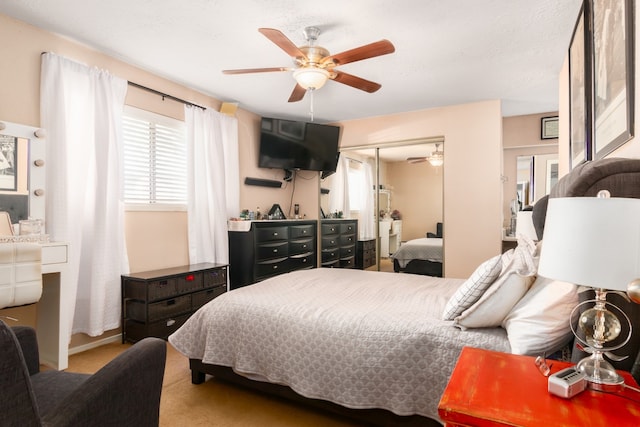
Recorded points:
(155, 159)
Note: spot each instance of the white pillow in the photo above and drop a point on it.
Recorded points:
(496, 302)
(539, 322)
(473, 288)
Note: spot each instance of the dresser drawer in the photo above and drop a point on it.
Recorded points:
(135, 331)
(150, 291)
(330, 255)
(347, 251)
(158, 310)
(270, 268)
(198, 299)
(347, 239)
(328, 229)
(348, 262)
(299, 262)
(301, 246)
(348, 228)
(329, 242)
(272, 250)
(215, 277)
(264, 234)
(298, 231)
(189, 283)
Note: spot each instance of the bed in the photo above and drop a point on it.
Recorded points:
(419, 256)
(358, 339)
(374, 345)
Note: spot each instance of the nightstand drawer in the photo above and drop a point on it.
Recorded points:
(136, 310)
(150, 291)
(198, 299)
(215, 277)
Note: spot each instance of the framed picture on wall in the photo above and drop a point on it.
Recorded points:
(579, 91)
(549, 127)
(8, 162)
(613, 74)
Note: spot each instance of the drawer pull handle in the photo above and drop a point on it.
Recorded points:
(304, 231)
(304, 246)
(275, 251)
(304, 260)
(275, 267)
(275, 234)
(171, 322)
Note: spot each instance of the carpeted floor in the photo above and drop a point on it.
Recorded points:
(213, 403)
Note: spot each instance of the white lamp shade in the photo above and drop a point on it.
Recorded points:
(524, 225)
(311, 77)
(592, 241)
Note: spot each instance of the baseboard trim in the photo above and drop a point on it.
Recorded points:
(94, 344)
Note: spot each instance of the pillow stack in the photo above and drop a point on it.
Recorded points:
(504, 292)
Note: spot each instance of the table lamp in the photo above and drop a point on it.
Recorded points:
(595, 242)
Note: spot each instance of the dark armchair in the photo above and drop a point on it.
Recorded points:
(438, 232)
(125, 392)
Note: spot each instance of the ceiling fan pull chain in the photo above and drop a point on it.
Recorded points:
(311, 102)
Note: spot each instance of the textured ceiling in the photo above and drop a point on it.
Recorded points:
(447, 52)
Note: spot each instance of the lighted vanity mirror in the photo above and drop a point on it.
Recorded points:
(21, 172)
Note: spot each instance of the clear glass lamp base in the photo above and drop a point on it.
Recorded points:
(599, 373)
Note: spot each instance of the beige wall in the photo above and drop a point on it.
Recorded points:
(418, 195)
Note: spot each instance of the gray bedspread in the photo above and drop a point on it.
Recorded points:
(428, 249)
(361, 339)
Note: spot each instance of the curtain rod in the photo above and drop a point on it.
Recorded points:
(164, 95)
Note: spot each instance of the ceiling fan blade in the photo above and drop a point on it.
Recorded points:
(356, 82)
(297, 94)
(283, 42)
(371, 50)
(255, 70)
(416, 159)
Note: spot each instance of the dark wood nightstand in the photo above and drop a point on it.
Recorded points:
(498, 389)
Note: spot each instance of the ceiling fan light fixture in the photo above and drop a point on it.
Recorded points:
(311, 77)
(437, 157)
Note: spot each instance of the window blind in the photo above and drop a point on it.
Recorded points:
(155, 159)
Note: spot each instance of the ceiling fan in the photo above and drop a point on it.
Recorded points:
(314, 65)
(436, 158)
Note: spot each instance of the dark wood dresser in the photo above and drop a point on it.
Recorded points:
(338, 242)
(268, 248)
(156, 303)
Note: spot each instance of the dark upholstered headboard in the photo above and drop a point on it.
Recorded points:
(621, 177)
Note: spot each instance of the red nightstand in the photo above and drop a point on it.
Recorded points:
(499, 389)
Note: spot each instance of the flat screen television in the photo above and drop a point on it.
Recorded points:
(294, 145)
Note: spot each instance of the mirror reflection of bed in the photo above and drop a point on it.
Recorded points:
(408, 201)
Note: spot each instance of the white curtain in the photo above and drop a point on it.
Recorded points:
(339, 194)
(213, 182)
(81, 110)
(367, 215)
